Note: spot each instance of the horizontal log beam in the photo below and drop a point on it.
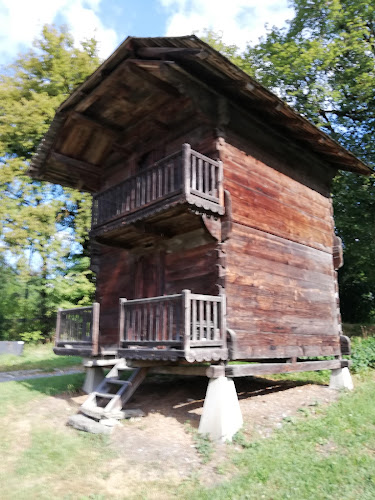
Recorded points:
(195, 371)
(215, 371)
(92, 122)
(137, 67)
(77, 164)
(170, 51)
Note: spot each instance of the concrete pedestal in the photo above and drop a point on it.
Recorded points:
(341, 379)
(94, 375)
(221, 417)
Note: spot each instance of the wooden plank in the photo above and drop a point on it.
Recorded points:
(270, 368)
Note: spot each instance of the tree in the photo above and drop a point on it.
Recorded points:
(323, 64)
(46, 221)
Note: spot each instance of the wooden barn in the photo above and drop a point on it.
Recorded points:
(212, 232)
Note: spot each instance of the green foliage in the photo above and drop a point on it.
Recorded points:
(32, 337)
(42, 225)
(323, 65)
(305, 459)
(363, 354)
(202, 443)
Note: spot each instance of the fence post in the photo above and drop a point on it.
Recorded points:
(186, 160)
(121, 325)
(186, 305)
(95, 328)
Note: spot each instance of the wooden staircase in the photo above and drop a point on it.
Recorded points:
(113, 392)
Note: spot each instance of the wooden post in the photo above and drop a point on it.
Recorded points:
(220, 187)
(223, 320)
(121, 325)
(186, 301)
(186, 159)
(58, 326)
(95, 328)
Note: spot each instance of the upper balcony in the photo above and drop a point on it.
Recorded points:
(159, 195)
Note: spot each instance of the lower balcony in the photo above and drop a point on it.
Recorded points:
(77, 331)
(182, 326)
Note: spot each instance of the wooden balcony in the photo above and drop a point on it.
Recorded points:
(77, 331)
(185, 178)
(186, 325)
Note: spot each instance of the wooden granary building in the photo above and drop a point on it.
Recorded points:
(212, 231)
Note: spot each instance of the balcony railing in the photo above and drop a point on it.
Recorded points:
(78, 327)
(188, 173)
(182, 321)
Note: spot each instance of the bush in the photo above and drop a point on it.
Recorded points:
(363, 353)
(32, 337)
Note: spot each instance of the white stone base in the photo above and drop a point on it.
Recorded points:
(341, 379)
(221, 417)
(94, 376)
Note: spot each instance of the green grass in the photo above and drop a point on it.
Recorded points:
(322, 454)
(16, 394)
(39, 459)
(322, 457)
(37, 357)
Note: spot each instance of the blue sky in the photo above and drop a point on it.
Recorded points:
(111, 21)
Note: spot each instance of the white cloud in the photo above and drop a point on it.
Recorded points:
(240, 21)
(22, 20)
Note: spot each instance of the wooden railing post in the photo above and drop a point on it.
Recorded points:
(58, 326)
(95, 328)
(121, 321)
(186, 159)
(223, 320)
(220, 187)
(186, 308)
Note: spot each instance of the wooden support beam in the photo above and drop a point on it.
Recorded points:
(195, 371)
(76, 164)
(143, 227)
(215, 371)
(170, 51)
(137, 67)
(111, 131)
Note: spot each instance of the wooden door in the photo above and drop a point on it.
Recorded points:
(149, 275)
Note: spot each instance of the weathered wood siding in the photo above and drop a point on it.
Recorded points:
(178, 264)
(279, 281)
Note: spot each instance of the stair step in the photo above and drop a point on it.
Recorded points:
(117, 382)
(104, 395)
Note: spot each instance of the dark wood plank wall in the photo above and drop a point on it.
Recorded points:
(279, 281)
(187, 262)
(163, 271)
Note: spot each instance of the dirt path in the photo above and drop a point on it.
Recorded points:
(162, 444)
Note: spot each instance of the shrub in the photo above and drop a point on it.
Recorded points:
(363, 353)
(32, 337)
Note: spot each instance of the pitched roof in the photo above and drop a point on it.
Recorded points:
(197, 60)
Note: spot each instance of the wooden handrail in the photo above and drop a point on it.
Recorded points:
(186, 319)
(187, 172)
(79, 325)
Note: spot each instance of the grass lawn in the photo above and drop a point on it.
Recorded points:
(325, 455)
(328, 456)
(39, 356)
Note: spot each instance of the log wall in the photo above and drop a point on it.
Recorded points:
(280, 281)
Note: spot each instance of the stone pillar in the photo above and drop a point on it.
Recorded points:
(221, 417)
(94, 375)
(341, 379)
